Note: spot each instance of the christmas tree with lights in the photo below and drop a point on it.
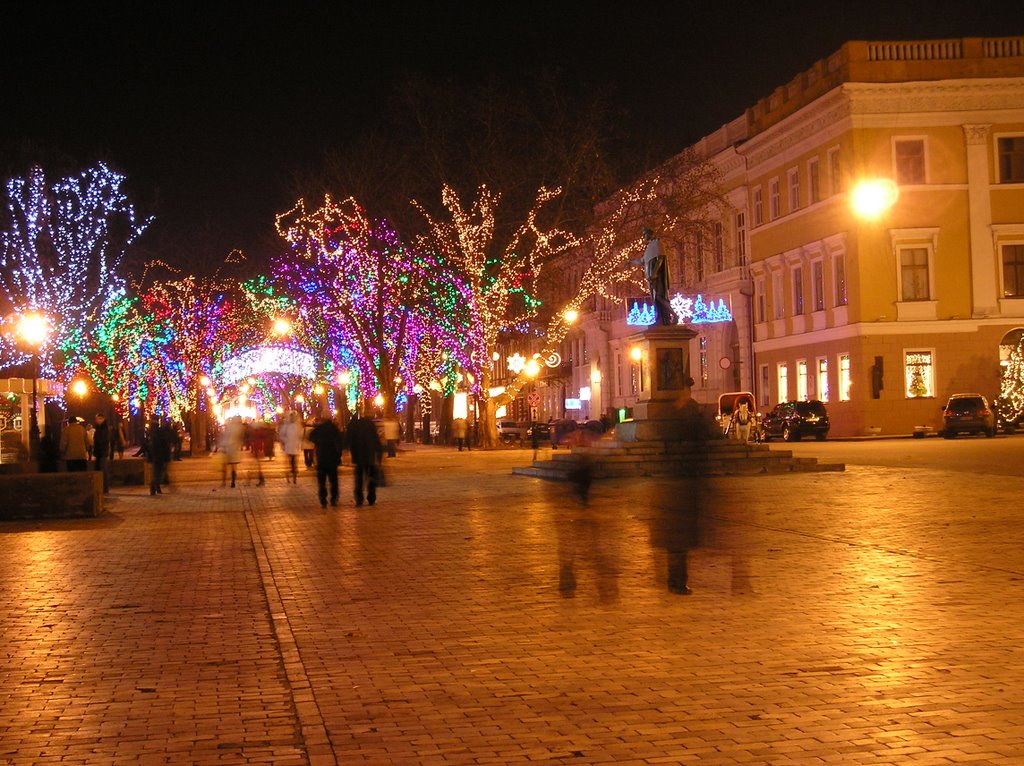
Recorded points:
(1009, 405)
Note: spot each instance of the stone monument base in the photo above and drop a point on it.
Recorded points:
(665, 411)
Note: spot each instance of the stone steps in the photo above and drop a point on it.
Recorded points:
(608, 459)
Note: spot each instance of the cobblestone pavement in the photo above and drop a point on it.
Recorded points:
(472, 617)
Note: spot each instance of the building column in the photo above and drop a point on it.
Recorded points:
(984, 271)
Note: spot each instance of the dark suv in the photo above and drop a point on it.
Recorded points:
(968, 414)
(794, 420)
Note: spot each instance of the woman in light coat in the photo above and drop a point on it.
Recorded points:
(290, 435)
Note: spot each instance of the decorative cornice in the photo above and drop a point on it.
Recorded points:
(943, 96)
(826, 117)
(816, 122)
(977, 135)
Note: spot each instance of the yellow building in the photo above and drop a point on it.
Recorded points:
(884, 315)
(881, 314)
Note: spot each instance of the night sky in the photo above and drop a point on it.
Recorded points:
(210, 111)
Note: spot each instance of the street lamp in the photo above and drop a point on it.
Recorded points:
(80, 389)
(871, 198)
(34, 330)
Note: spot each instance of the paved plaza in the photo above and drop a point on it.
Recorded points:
(873, 616)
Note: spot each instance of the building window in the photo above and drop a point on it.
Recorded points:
(703, 361)
(801, 380)
(765, 389)
(760, 302)
(814, 180)
(793, 180)
(1013, 271)
(1011, 160)
(835, 179)
(798, 291)
(782, 378)
(719, 248)
(758, 205)
(845, 379)
(839, 265)
(818, 285)
(918, 374)
(909, 161)
(914, 274)
(778, 302)
(774, 202)
(821, 381)
(741, 239)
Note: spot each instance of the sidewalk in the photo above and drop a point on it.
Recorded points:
(474, 617)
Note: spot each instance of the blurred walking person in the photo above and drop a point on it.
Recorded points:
(365, 445)
(459, 430)
(327, 442)
(290, 434)
(230, 447)
(161, 443)
(102, 449)
(119, 438)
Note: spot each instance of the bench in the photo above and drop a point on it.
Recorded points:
(50, 495)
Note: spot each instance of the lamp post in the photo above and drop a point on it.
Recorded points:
(80, 389)
(870, 200)
(34, 330)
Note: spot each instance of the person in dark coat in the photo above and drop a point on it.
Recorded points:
(102, 448)
(327, 443)
(49, 450)
(161, 439)
(365, 445)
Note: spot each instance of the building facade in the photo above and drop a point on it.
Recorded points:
(882, 314)
(885, 313)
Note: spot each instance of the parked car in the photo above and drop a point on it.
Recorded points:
(968, 414)
(794, 420)
(543, 431)
(511, 431)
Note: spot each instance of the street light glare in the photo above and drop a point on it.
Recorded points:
(34, 328)
(872, 198)
(282, 326)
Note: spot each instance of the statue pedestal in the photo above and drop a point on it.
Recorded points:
(664, 410)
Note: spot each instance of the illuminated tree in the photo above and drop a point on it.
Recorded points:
(378, 295)
(1009, 405)
(500, 276)
(61, 245)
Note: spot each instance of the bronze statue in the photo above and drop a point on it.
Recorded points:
(656, 271)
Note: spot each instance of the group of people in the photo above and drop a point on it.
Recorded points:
(323, 443)
(81, 443)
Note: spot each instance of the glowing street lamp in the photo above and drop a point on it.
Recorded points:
(80, 388)
(871, 198)
(34, 330)
(282, 326)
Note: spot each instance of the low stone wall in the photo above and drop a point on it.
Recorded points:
(50, 495)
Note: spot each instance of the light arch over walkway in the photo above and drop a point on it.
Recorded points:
(261, 360)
